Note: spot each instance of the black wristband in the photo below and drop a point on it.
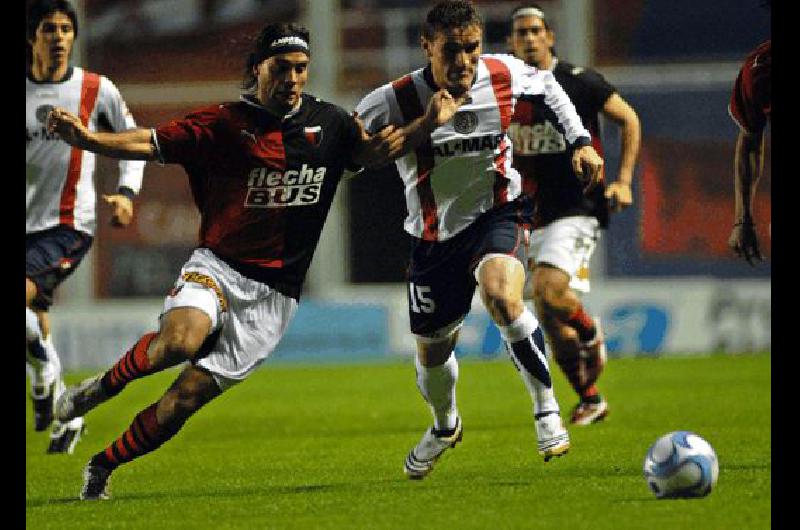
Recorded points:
(582, 141)
(126, 191)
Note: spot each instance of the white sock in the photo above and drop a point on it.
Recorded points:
(438, 386)
(525, 344)
(41, 360)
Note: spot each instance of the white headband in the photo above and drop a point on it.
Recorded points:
(529, 12)
(292, 41)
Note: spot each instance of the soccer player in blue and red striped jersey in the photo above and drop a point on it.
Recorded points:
(263, 173)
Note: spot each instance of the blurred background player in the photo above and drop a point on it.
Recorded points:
(60, 196)
(464, 213)
(750, 108)
(263, 172)
(567, 221)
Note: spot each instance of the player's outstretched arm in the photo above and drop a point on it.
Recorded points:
(748, 166)
(618, 110)
(133, 144)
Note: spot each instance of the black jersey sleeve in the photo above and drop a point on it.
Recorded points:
(598, 89)
(350, 139)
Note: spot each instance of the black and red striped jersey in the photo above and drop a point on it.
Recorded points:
(751, 102)
(263, 184)
(542, 155)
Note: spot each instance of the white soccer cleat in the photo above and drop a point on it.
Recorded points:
(65, 436)
(79, 399)
(552, 438)
(587, 413)
(421, 459)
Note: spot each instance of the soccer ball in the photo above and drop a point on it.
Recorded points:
(681, 464)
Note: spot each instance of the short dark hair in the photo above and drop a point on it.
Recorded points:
(38, 9)
(450, 14)
(261, 50)
(530, 5)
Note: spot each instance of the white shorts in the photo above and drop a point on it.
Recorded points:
(251, 317)
(567, 243)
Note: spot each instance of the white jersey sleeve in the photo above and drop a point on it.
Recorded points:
(113, 112)
(379, 109)
(530, 81)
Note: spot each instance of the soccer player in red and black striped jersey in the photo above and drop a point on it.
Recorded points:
(567, 222)
(263, 172)
(60, 198)
(750, 107)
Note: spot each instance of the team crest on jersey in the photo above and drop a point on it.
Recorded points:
(313, 135)
(465, 121)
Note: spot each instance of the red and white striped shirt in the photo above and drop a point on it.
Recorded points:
(465, 168)
(60, 186)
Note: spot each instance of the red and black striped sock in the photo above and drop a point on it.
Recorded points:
(583, 324)
(143, 436)
(573, 371)
(133, 365)
(590, 394)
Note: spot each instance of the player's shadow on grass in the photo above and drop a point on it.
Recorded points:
(229, 493)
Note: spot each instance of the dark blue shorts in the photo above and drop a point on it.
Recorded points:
(441, 282)
(50, 257)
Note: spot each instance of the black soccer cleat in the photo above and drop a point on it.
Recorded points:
(96, 485)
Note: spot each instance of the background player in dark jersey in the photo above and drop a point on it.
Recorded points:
(263, 172)
(567, 220)
(750, 108)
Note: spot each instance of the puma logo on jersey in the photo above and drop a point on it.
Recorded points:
(540, 138)
(270, 188)
(468, 145)
(248, 134)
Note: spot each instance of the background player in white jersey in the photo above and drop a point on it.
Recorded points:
(60, 195)
(466, 213)
(567, 221)
(263, 172)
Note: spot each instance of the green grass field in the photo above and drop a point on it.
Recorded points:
(323, 447)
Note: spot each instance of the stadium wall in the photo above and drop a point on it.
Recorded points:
(640, 317)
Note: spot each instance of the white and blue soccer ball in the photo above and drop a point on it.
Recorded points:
(681, 464)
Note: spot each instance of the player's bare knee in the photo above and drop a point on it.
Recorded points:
(435, 352)
(180, 343)
(549, 291)
(504, 307)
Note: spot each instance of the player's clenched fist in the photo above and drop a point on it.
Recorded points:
(122, 206)
(588, 166)
(442, 107)
(67, 125)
